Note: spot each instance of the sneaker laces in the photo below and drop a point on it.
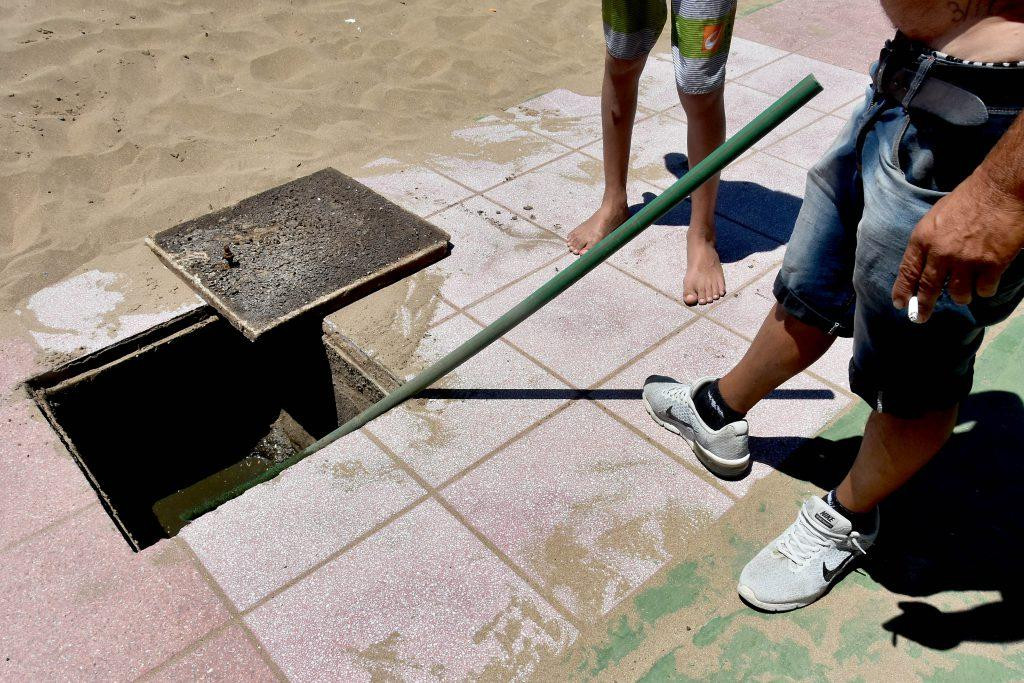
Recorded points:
(804, 540)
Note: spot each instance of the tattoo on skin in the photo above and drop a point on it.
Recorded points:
(967, 9)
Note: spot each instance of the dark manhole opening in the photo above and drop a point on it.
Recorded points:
(170, 423)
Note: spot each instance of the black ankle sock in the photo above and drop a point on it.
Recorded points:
(863, 522)
(712, 408)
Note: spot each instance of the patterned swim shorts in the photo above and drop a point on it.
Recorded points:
(701, 32)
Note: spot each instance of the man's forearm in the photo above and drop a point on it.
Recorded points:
(1003, 168)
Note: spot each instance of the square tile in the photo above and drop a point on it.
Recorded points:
(490, 248)
(78, 602)
(570, 118)
(847, 111)
(763, 193)
(658, 256)
(492, 152)
(414, 188)
(658, 150)
(274, 532)
(228, 656)
(746, 310)
(564, 193)
(470, 412)
(808, 145)
(747, 55)
(797, 410)
(590, 517)
(599, 324)
(423, 598)
(42, 482)
(840, 85)
(658, 85)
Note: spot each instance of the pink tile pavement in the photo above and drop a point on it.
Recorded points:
(227, 656)
(570, 118)
(799, 410)
(422, 599)
(763, 193)
(586, 507)
(476, 408)
(599, 324)
(41, 481)
(658, 256)
(414, 188)
(79, 605)
(807, 146)
(255, 543)
(491, 246)
(840, 85)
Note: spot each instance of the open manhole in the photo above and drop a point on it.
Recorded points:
(166, 423)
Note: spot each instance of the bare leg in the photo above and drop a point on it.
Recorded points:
(618, 111)
(783, 347)
(892, 451)
(705, 130)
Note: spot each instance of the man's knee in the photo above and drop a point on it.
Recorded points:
(624, 69)
(702, 103)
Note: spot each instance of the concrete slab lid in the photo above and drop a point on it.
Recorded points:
(310, 245)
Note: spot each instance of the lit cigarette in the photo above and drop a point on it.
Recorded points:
(912, 309)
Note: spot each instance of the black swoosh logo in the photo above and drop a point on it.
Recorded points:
(829, 574)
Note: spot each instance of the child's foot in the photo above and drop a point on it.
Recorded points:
(704, 281)
(594, 229)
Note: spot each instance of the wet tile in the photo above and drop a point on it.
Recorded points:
(763, 193)
(658, 256)
(473, 410)
(807, 146)
(563, 193)
(113, 297)
(257, 542)
(228, 656)
(658, 153)
(746, 310)
(798, 410)
(490, 248)
(840, 85)
(414, 188)
(747, 55)
(570, 118)
(602, 322)
(492, 152)
(79, 603)
(590, 517)
(423, 598)
(42, 482)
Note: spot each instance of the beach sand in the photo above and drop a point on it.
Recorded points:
(118, 119)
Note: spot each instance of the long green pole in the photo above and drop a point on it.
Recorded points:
(763, 124)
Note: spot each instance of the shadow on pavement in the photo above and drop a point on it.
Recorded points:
(956, 526)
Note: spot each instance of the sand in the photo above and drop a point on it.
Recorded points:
(118, 119)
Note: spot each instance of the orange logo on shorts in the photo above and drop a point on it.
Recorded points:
(712, 34)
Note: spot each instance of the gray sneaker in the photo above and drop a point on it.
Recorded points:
(725, 451)
(801, 565)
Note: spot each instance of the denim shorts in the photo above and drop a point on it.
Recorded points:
(884, 172)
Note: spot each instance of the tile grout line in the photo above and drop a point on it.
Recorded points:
(333, 555)
(179, 655)
(434, 494)
(57, 521)
(236, 616)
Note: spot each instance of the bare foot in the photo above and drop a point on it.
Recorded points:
(704, 281)
(591, 231)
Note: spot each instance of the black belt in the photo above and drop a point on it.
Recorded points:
(962, 94)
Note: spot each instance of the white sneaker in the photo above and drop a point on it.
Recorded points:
(724, 452)
(801, 565)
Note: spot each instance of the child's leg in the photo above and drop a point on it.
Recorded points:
(631, 27)
(618, 109)
(701, 33)
(704, 281)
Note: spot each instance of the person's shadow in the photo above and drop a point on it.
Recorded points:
(767, 215)
(956, 525)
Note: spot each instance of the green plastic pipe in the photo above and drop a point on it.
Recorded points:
(763, 124)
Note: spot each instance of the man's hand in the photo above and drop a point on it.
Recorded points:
(964, 243)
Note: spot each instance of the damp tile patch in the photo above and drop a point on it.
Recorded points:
(316, 243)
